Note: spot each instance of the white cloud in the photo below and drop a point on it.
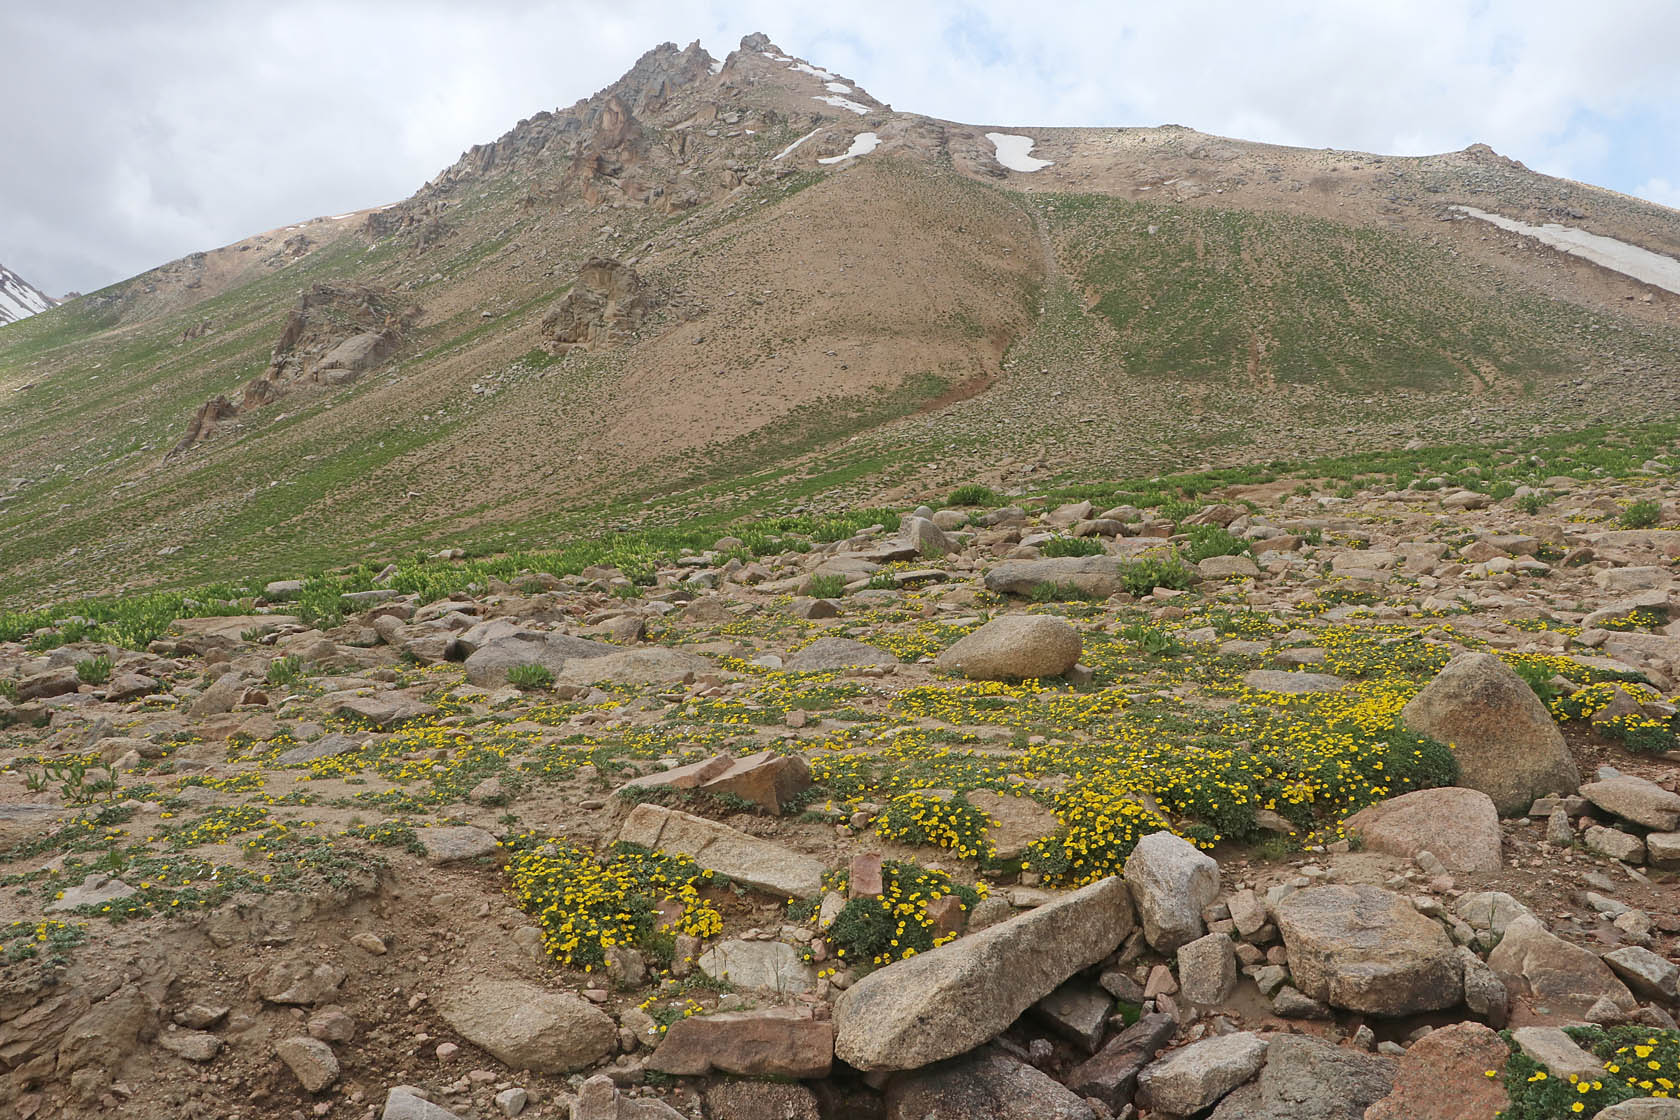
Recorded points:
(137, 133)
(1660, 191)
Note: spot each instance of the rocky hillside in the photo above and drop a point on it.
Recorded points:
(18, 298)
(1267, 795)
(747, 283)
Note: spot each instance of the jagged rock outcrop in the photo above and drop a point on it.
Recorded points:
(607, 302)
(335, 334)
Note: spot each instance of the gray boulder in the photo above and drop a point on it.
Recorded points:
(1207, 970)
(1196, 1076)
(1015, 647)
(489, 664)
(1171, 883)
(1367, 949)
(1505, 740)
(1565, 979)
(952, 999)
(1305, 1079)
(529, 1027)
(829, 654)
(988, 1084)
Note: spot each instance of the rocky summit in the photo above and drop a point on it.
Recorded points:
(558, 660)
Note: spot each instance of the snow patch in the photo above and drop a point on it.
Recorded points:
(717, 65)
(1012, 152)
(789, 149)
(837, 87)
(843, 103)
(862, 144)
(815, 72)
(18, 298)
(1630, 260)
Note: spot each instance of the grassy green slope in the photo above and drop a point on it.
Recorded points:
(1283, 299)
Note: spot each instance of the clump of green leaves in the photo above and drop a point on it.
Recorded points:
(879, 930)
(1641, 514)
(1214, 540)
(1072, 546)
(79, 780)
(826, 586)
(974, 494)
(94, 670)
(321, 602)
(530, 677)
(1531, 503)
(1145, 574)
(285, 671)
(1156, 641)
(389, 834)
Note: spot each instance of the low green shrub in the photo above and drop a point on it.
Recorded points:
(530, 677)
(1641, 514)
(974, 494)
(827, 586)
(1072, 546)
(94, 670)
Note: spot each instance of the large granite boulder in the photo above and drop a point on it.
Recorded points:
(1506, 742)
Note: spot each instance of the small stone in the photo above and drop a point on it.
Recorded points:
(1292, 1004)
(194, 1046)
(311, 1060)
(1207, 970)
(512, 1101)
(369, 942)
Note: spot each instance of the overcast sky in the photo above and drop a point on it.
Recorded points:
(134, 133)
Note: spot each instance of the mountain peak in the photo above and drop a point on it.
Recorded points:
(20, 299)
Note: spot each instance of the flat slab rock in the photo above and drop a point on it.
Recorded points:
(528, 1027)
(780, 1042)
(1291, 683)
(717, 847)
(773, 966)
(948, 1001)
(1460, 827)
(1635, 799)
(832, 654)
(456, 842)
(1562, 978)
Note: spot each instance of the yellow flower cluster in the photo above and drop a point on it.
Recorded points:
(952, 823)
(587, 905)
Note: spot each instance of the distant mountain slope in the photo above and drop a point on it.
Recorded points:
(748, 276)
(19, 299)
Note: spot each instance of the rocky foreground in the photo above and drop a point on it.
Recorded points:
(1280, 807)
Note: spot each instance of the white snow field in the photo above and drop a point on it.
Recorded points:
(1630, 260)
